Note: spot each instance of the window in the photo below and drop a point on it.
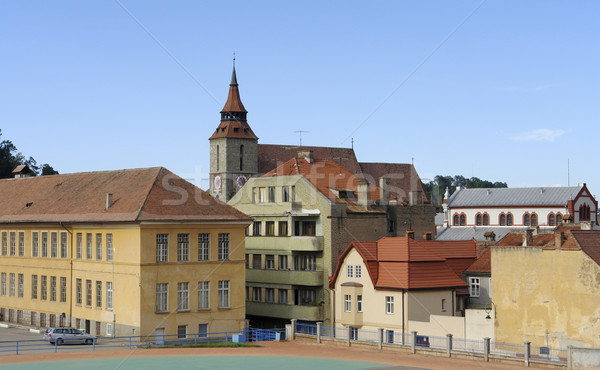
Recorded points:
(534, 221)
(584, 212)
(391, 226)
(203, 295)
(63, 289)
(283, 296)
(3, 288)
(224, 247)
(202, 330)
(44, 287)
(183, 296)
(44, 244)
(109, 295)
(256, 261)
(347, 303)
(283, 228)
(359, 303)
(443, 305)
(389, 305)
(269, 295)
(99, 247)
(486, 219)
(4, 243)
(13, 243)
(203, 247)
(271, 194)
(181, 331)
(98, 294)
(551, 219)
(52, 288)
(21, 243)
(389, 334)
(109, 247)
(474, 287)
(357, 271)
(162, 296)
(256, 228)
(463, 220)
(305, 263)
(88, 246)
(218, 158)
(183, 247)
(162, 247)
(509, 219)
(456, 220)
(262, 195)
(88, 293)
(526, 219)
(270, 228)
(78, 288)
(285, 193)
(269, 261)
(558, 218)
(307, 296)
(309, 228)
(223, 293)
(349, 271)
(108, 329)
(283, 262)
(502, 220)
(53, 244)
(478, 219)
(21, 282)
(79, 245)
(34, 286)
(11, 285)
(354, 333)
(63, 244)
(34, 244)
(241, 157)
(256, 294)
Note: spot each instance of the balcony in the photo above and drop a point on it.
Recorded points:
(285, 311)
(291, 277)
(293, 243)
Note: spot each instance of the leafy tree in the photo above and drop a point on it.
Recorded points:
(10, 158)
(48, 170)
(438, 186)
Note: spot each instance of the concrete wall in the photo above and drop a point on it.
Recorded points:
(548, 297)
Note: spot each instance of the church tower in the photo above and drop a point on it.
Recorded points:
(233, 147)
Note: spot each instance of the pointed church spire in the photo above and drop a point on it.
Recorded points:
(233, 76)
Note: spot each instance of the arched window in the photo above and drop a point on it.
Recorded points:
(558, 218)
(526, 219)
(502, 219)
(463, 220)
(509, 219)
(456, 222)
(584, 212)
(478, 219)
(241, 157)
(533, 219)
(551, 219)
(217, 158)
(486, 219)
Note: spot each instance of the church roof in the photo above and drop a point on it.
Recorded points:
(271, 156)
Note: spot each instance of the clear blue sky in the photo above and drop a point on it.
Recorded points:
(501, 90)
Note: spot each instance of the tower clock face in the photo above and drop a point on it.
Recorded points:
(240, 180)
(217, 184)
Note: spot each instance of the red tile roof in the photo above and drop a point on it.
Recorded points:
(234, 129)
(150, 194)
(272, 156)
(404, 263)
(483, 264)
(589, 242)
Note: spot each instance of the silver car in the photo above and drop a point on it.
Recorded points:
(67, 335)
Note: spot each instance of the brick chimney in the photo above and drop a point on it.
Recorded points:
(384, 191)
(306, 154)
(528, 238)
(364, 194)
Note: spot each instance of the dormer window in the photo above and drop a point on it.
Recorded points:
(236, 129)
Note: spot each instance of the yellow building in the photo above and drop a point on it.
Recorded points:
(130, 252)
(546, 288)
(396, 281)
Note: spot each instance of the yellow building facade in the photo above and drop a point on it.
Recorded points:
(155, 256)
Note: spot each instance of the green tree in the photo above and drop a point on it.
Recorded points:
(10, 158)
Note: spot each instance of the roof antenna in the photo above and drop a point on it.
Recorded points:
(300, 132)
(352, 143)
(568, 172)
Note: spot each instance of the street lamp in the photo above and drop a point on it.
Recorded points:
(488, 309)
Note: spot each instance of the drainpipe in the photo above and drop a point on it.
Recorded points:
(403, 329)
(71, 276)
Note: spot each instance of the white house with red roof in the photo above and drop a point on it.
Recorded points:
(397, 282)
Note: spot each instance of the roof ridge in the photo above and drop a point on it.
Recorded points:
(149, 191)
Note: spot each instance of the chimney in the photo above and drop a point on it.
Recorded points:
(109, 200)
(559, 239)
(528, 238)
(364, 194)
(410, 234)
(427, 236)
(384, 191)
(414, 198)
(306, 154)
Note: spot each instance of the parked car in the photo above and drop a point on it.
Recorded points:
(67, 335)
